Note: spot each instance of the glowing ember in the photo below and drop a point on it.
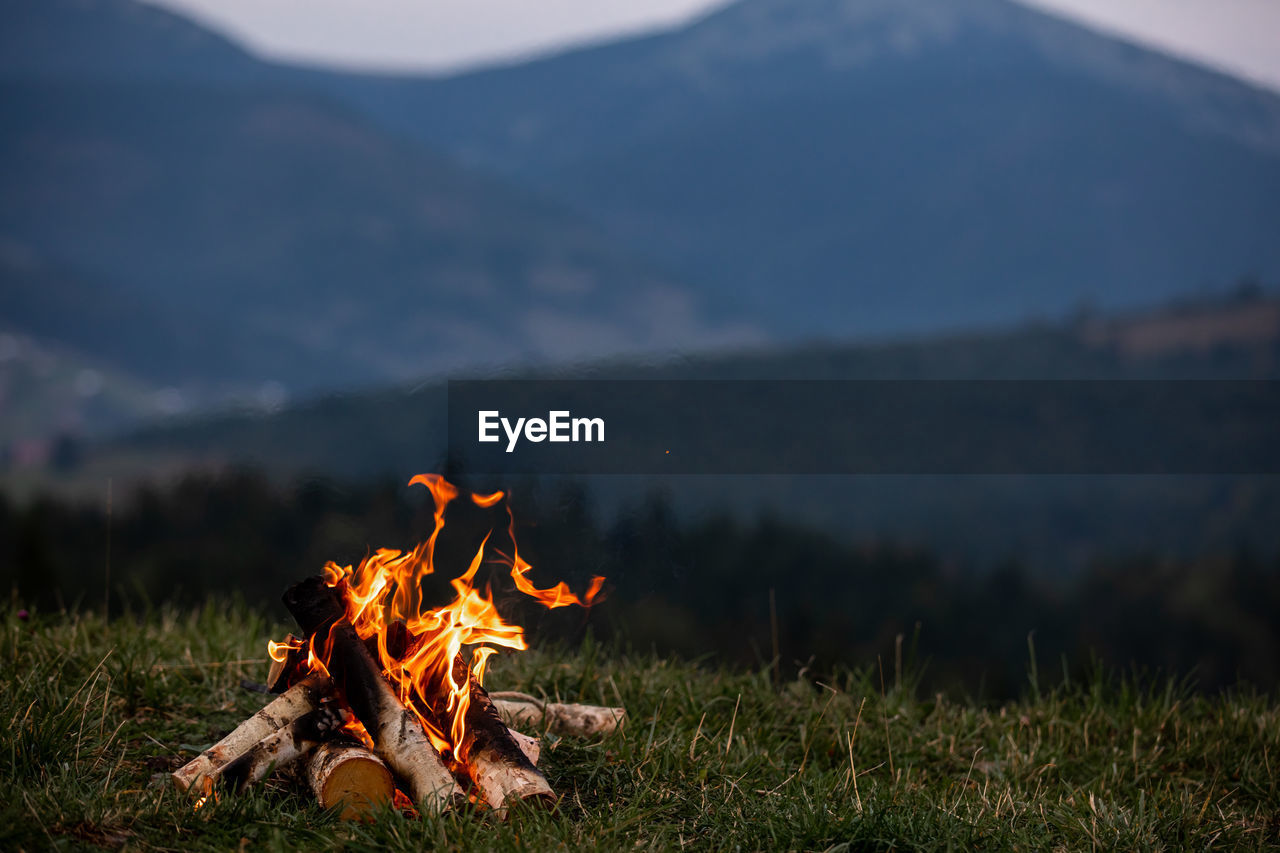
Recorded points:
(419, 648)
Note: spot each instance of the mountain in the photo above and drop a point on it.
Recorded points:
(298, 244)
(110, 39)
(188, 215)
(878, 166)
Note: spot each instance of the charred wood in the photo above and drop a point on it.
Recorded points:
(283, 747)
(283, 674)
(396, 730)
(500, 769)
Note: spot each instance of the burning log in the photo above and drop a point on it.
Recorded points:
(507, 709)
(497, 763)
(290, 666)
(502, 770)
(525, 711)
(342, 772)
(283, 747)
(303, 698)
(499, 767)
(396, 731)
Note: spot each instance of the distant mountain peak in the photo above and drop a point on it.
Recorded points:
(842, 36)
(843, 32)
(779, 168)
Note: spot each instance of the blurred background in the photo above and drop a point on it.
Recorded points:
(244, 243)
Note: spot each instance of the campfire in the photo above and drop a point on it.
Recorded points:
(382, 696)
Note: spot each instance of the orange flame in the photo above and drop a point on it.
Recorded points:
(279, 652)
(486, 500)
(383, 599)
(355, 729)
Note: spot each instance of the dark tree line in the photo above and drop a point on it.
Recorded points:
(693, 586)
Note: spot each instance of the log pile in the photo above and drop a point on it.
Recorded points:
(342, 727)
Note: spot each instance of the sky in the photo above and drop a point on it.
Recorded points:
(1237, 36)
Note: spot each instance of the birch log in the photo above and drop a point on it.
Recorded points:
(524, 711)
(283, 747)
(303, 698)
(396, 730)
(501, 771)
(530, 746)
(342, 772)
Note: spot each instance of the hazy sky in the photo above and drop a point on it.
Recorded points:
(1240, 36)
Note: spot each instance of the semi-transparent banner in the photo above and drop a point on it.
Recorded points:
(584, 427)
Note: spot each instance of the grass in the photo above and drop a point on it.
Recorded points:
(94, 715)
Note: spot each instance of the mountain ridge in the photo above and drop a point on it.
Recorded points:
(120, 40)
(286, 235)
(774, 171)
(903, 166)
(688, 54)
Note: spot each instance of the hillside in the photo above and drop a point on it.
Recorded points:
(212, 230)
(53, 397)
(175, 211)
(115, 40)
(865, 166)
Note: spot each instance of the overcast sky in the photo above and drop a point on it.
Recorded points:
(1240, 36)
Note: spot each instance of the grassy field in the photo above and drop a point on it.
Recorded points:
(93, 716)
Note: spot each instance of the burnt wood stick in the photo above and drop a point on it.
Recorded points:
(521, 709)
(396, 731)
(530, 746)
(283, 674)
(501, 763)
(302, 698)
(343, 772)
(501, 770)
(283, 747)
